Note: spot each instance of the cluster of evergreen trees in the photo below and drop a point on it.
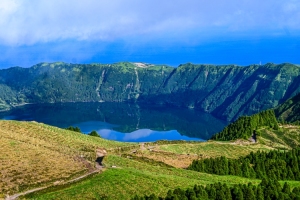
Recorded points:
(77, 129)
(244, 126)
(267, 189)
(274, 164)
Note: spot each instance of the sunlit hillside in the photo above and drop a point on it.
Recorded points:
(34, 154)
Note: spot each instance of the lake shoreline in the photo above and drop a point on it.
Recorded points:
(122, 121)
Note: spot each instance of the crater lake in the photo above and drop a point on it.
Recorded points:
(123, 121)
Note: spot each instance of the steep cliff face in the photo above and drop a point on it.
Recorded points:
(225, 91)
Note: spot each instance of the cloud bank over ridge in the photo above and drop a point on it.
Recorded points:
(28, 22)
(170, 32)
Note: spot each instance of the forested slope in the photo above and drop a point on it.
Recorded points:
(225, 91)
(289, 111)
(244, 126)
(267, 189)
(273, 165)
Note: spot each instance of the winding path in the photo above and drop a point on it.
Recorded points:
(15, 196)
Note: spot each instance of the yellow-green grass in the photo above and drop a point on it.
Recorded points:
(34, 154)
(287, 137)
(213, 149)
(131, 178)
(182, 154)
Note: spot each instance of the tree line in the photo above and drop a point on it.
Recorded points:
(244, 126)
(277, 165)
(77, 129)
(268, 189)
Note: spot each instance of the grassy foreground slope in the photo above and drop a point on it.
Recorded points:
(141, 171)
(34, 154)
(133, 176)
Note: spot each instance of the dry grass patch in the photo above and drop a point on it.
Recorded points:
(181, 155)
(23, 165)
(34, 154)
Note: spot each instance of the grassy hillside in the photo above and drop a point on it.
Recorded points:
(133, 177)
(140, 171)
(286, 137)
(34, 154)
(181, 155)
(289, 110)
(265, 124)
(244, 126)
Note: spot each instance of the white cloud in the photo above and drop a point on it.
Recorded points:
(24, 22)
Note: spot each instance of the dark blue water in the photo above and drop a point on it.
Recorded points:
(123, 122)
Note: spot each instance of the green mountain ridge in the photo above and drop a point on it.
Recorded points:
(227, 92)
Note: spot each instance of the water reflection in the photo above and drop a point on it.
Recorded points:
(123, 122)
(143, 135)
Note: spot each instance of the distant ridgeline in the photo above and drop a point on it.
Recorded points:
(226, 92)
(244, 127)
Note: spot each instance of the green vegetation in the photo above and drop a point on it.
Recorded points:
(214, 149)
(288, 112)
(274, 165)
(94, 133)
(35, 154)
(131, 177)
(218, 170)
(286, 137)
(136, 170)
(239, 90)
(76, 129)
(267, 189)
(244, 127)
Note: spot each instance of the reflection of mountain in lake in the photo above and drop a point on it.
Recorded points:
(121, 117)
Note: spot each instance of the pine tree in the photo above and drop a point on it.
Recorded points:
(190, 194)
(249, 194)
(286, 188)
(211, 192)
(296, 191)
(259, 193)
(169, 195)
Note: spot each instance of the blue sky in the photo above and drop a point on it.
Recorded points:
(170, 32)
